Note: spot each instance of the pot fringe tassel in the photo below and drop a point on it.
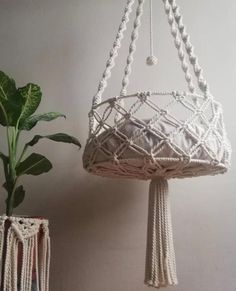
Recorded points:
(25, 254)
(160, 255)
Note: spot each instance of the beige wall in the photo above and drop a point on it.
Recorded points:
(98, 226)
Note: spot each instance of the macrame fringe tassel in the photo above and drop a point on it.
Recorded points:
(160, 256)
(25, 254)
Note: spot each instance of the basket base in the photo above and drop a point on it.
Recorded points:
(144, 170)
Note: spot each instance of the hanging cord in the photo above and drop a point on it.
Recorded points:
(130, 58)
(179, 46)
(151, 60)
(132, 47)
(111, 61)
(203, 85)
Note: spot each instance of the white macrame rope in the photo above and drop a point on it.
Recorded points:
(114, 52)
(170, 5)
(160, 255)
(200, 157)
(165, 135)
(130, 58)
(203, 85)
(178, 33)
(132, 47)
(2, 230)
(28, 233)
(111, 61)
(178, 45)
(151, 29)
(151, 59)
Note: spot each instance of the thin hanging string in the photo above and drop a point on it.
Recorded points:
(151, 30)
(151, 60)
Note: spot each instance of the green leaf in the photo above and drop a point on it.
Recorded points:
(35, 164)
(7, 87)
(58, 137)
(30, 122)
(31, 95)
(19, 196)
(10, 101)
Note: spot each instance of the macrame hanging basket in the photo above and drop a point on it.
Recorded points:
(157, 136)
(24, 254)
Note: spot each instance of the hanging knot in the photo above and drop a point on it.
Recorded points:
(151, 60)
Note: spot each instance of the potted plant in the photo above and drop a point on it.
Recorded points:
(24, 241)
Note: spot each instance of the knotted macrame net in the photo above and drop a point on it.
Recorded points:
(24, 254)
(157, 136)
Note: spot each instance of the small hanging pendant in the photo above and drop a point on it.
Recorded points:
(151, 60)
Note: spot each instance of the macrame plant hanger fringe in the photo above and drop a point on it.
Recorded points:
(121, 144)
(25, 254)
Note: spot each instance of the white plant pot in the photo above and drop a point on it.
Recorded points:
(24, 254)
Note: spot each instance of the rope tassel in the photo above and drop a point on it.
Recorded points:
(24, 254)
(160, 256)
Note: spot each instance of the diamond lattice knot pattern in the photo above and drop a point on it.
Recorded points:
(172, 135)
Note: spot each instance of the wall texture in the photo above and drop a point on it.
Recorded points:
(98, 226)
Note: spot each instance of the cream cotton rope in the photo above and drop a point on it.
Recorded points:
(151, 59)
(156, 136)
(32, 236)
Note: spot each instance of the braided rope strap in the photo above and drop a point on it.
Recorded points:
(132, 47)
(202, 83)
(160, 256)
(111, 61)
(130, 58)
(179, 46)
(25, 254)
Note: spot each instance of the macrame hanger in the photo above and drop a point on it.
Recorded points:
(129, 146)
(182, 44)
(151, 59)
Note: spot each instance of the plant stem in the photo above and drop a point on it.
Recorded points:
(12, 146)
(9, 170)
(10, 200)
(22, 154)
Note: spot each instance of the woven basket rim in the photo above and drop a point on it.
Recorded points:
(154, 94)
